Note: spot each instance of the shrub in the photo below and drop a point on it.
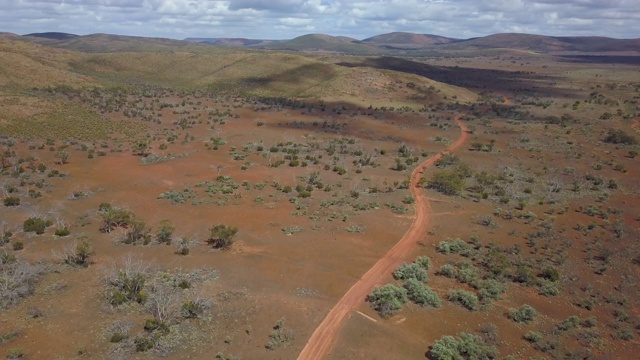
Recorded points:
(35, 224)
(455, 246)
(143, 343)
(117, 337)
(137, 230)
(421, 294)
(114, 217)
(424, 262)
(524, 314)
(15, 353)
(165, 231)
(570, 323)
(79, 256)
(410, 271)
(548, 289)
(463, 346)
(387, 299)
(532, 337)
(616, 136)
(18, 279)
(550, 274)
(446, 182)
(64, 231)
(464, 298)
(12, 201)
(18, 245)
(490, 289)
(221, 236)
(448, 270)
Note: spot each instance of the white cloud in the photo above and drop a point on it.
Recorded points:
(289, 18)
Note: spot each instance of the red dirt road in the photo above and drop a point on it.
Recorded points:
(324, 336)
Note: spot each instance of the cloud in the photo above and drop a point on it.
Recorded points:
(280, 19)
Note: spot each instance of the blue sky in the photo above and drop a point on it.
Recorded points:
(282, 19)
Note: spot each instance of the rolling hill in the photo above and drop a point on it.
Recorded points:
(546, 44)
(408, 40)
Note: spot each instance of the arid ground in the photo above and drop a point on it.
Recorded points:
(222, 203)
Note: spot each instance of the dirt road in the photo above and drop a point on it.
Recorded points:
(324, 336)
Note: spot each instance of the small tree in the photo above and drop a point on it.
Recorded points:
(222, 236)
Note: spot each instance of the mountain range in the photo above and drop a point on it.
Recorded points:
(390, 43)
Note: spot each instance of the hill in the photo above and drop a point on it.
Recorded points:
(107, 43)
(541, 43)
(232, 42)
(321, 42)
(407, 40)
(246, 72)
(53, 35)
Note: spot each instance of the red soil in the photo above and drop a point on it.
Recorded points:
(324, 336)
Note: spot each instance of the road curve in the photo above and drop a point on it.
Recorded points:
(323, 338)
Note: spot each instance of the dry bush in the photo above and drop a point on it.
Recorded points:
(17, 279)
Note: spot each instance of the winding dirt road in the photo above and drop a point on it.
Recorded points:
(324, 336)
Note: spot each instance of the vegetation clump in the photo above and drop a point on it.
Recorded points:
(463, 346)
(387, 299)
(222, 236)
(36, 225)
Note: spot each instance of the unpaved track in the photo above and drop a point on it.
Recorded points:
(324, 336)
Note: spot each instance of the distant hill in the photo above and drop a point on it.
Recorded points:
(233, 42)
(541, 43)
(321, 42)
(7, 35)
(396, 43)
(407, 40)
(53, 35)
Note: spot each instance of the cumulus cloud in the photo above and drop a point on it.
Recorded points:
(278, 19)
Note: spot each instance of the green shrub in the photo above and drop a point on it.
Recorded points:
(532, 337)
(446, 182)
(35, 224)
(490, 289)
(424, 262)
(165, 231)
(143, 343)
(221, 236)
(410, 271)
(387, 299)
(464, 346)
(15, 353)
(455, 246)
(63, 231)
(524, 314)
(570, 323)
(421, 294)
(550, 274)
(12, 201)
(616, 136)
(18, 245)
(117, 337)
(548, 289)
(154, 325)
(448, 270)
(464, 298)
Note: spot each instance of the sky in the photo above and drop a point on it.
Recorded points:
(286, 19)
